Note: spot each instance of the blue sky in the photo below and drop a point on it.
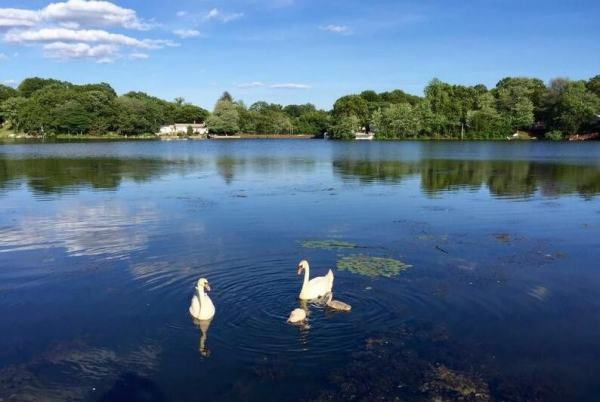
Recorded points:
(295, 51)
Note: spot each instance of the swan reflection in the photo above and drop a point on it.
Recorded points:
(203, 325)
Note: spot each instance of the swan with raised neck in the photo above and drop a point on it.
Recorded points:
(315, 287)
(202, 307)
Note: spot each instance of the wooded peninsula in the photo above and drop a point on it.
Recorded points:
(563, 107)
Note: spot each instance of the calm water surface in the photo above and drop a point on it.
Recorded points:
(101, 245)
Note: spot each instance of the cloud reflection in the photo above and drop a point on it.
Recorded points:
(111, 230)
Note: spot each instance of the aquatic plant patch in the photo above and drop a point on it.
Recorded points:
(328, 244)
(372, 266)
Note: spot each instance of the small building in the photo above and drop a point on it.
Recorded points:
(364, 134)
(183, 128)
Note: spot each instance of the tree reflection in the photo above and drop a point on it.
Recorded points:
(58, 175)
(502, 178)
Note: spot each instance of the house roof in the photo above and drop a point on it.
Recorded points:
(185, 125)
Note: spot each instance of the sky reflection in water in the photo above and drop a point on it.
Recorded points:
(101, 245)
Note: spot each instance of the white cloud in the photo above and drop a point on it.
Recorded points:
(255, 84)
(74, 13)
(13, 18)
(3, 56)
(139, 56)
(62, 50)
(77, 29)
(231, 17)
(11, 83)
(80, 36)
(186, 33)
(215, 14)
(63, 43)
(181, 13)
(289, 85)
(338, 29)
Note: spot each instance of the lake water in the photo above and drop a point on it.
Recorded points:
(101, 245)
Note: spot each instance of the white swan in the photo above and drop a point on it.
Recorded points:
(315, 287)
(202, 307)
(297, 316)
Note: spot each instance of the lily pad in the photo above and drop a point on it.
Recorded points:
(372, 266)
(327, 244)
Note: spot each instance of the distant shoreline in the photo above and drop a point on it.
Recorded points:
(7, 136)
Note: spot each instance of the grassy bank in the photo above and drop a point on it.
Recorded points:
(277, 136)
(112, 136)
(8, 134)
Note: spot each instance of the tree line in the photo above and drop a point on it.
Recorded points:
(554, 110)
(47, 106)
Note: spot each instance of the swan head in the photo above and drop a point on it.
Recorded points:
(302, 265)
(203, 284)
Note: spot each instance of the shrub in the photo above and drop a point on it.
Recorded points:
(554, 135)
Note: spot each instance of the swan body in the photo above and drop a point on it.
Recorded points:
(336, 304)
(296, 316)
(202, 308)
(315, 287)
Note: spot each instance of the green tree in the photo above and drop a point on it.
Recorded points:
(345, 128)
(226, 96)
(514, 104)
(7, 92)
(71, 117)
(225, 117)
(397, 121)
(352, 105)
(30, 85)
(11, 111)
(572, 106)
(187, 113)
(532, 88)
(593, 85)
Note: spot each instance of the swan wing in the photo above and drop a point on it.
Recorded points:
(208, 308)
(195, 307)
(320, 285)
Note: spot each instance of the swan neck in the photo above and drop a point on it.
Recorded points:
(306, 274)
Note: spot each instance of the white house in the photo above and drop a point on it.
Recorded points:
(364, 134)
(182, 128)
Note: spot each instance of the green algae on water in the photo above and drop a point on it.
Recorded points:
(328, 244)
(372, 266)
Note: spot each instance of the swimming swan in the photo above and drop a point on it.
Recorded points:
(297, 316)
(316, 287)
(202, 307)
(336, 304)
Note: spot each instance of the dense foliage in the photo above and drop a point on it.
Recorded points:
(45, 106)
(563, 107)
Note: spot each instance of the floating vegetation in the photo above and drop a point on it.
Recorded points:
(430, 237)
(402, 365)
(444, 382)
(372, 266)
(328, 244)
(506, 237)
